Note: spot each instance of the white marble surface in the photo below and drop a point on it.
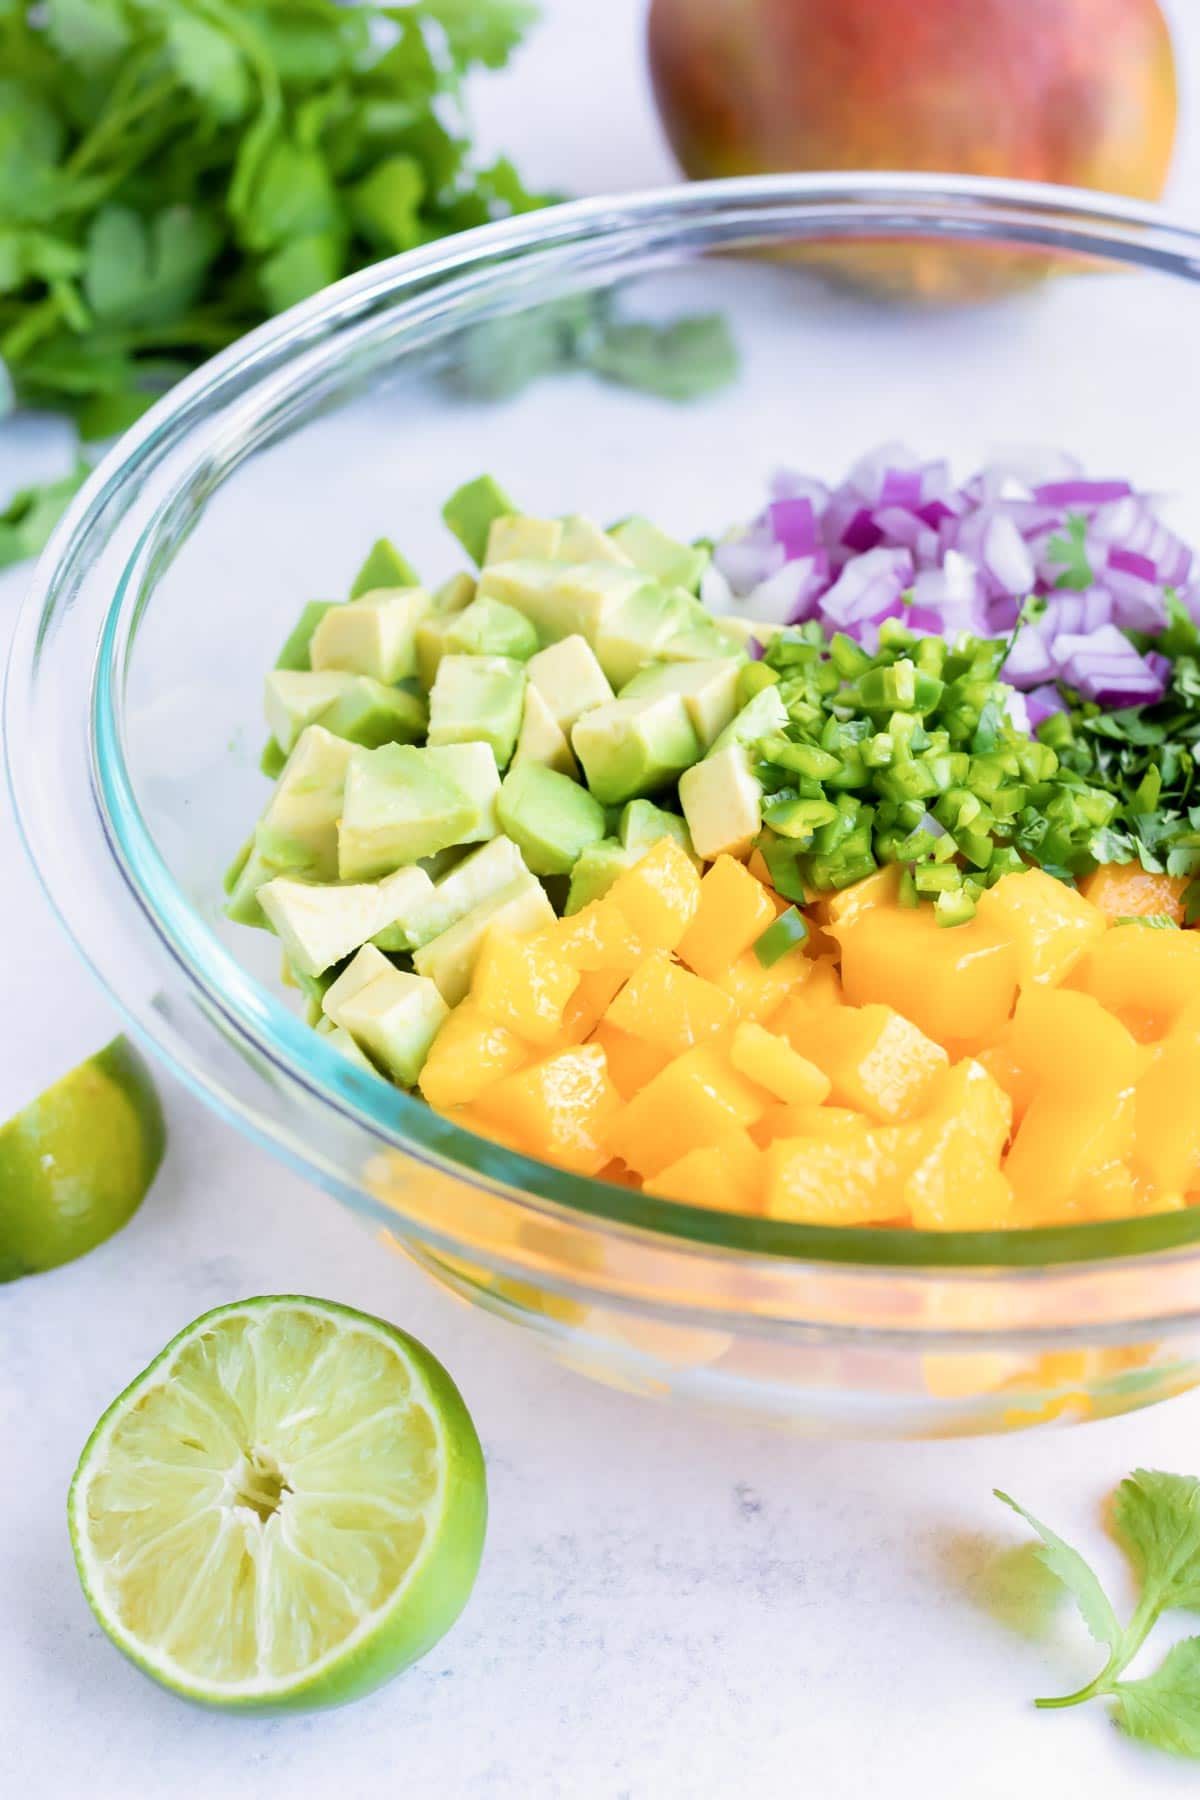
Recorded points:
(666, 1609)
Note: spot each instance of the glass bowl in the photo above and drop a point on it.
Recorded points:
(133, 732)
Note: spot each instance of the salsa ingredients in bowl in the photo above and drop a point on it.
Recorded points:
(807, 917)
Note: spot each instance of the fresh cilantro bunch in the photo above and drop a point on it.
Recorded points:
(174, 171)
(1156, 1520)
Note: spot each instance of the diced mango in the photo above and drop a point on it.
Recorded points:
(757, 992)
(559, 1109)
(589, 1003)
(1019, 1084)
(1145, 977)
(955, 1183)
(798, 1016)
(847, 904)
(1067, 1041)
(770, 1060)
(695, 1100)
(825, 1122)
(734, 909)
(1167, 1119)
(670, 1007)
(727, 1176)
(958, 984)
(851, 1179)
(632, 1062)
(876, 1060)
(1060, 1143)
(659, 895)
(469, 1053)
(1127, 891)
(523, 985)
(598, 936)
(1052, 925)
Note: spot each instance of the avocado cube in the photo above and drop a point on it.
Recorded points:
(297, 832)
(517, 535)
(583, 541)
(569, 679)
(272, 762)
(400, 805)
(669, 561)
(455, 593)
(449, 960)
(375, 635)
(478, 699)
(384, 567)
(295, 651)
(633, 629)
(498, 864)
(526, 585)
(473, 767)
(319, 926)
(489, 628)
(394, 1017)
(595, 871)
(722, 803)
(708, 689)
(470, 510)
(430, 645)
(643, 825)
(549, 817)
(742, 632)
(761, 715)
(339, 1039)
(370, 713)
(632, 747)
(587, 595)
(704, 643)
(234, 872)
(542, 739)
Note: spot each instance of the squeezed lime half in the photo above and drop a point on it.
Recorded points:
(76, 1163)
(284, 1510)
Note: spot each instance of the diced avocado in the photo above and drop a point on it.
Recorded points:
(707, 689)
(385, 567)
(297, 832)
(632, 747)
(583, 541)
(528, 587)
(375, 635)
(318, 926)
(294, 654)
(473, 766)
(752, 677)
(455, 593)
(569, 679)
(489, 628)
(449, 960)
(517, 535)
(273, 760)
(430, 645)
(764, 713)
(394, 1017)
(542, 739)
(634, 627)
(478, 876)
(370, 713)
(478, 699)
(740, 631)
(338, 1038)
(470, 510)
(596, 870)
(722, 803)
(233, 872)
(549, 817)
(643, 825)
(400, 805)
(669, 561)
(587, 596)
(700, 644)
(294, 698)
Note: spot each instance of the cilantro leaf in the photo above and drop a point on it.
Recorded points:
(678, 361)
(1070, 550)
(484, 32)
(31, 515)
(1156, 1520)
(1077, 1576)
(1163, 1709)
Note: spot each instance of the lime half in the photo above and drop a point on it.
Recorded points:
(286, 1508)
(76, 1163)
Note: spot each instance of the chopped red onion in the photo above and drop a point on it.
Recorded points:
(862, 532)
(868, 588)
(1041, 703)
(1029, 661)
(1077, 492)
(1104, 666)
(789, 596)
(793, 525)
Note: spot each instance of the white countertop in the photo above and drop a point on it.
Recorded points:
(667, 1608)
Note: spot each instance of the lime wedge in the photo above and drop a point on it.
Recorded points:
(284, 1510)
(76, 1163)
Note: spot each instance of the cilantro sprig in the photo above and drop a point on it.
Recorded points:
(1155, 1518)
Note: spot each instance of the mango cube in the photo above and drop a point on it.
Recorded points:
(757, 992)
(770, 1060)
(734, 909)
(659, 895)
(598, 936)
(855, 1178)
(521, 985)
(958, 985)
(632, 1062)
(1051, 924)
(1146, 978)
(696, 1100)
(877, 1061)
(669, 1007)
(469, 1053)
(559, 1109)
(727, 1176)
(956, 1183)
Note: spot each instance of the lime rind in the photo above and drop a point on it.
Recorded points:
(230, 1564)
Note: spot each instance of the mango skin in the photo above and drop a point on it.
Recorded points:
(1076, 92)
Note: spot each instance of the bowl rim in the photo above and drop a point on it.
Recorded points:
(1074, 219)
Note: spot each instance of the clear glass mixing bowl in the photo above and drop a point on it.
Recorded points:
(133, 732)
